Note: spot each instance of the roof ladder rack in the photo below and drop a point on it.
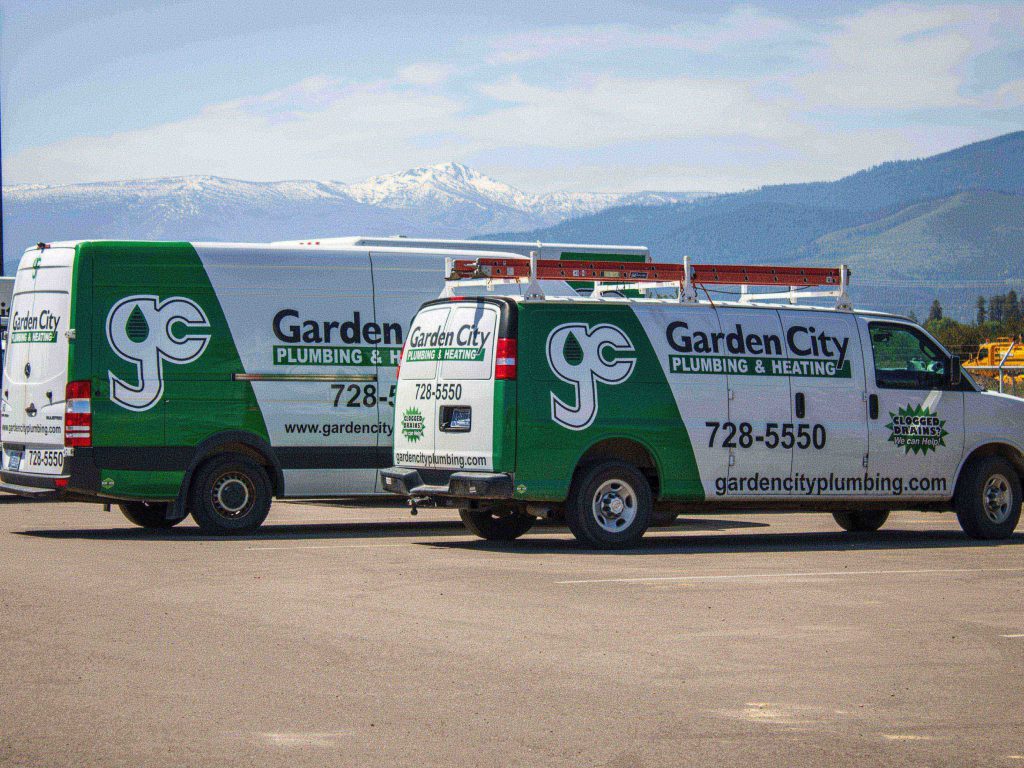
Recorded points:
(624, 275)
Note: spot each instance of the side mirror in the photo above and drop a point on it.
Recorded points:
(955, 374)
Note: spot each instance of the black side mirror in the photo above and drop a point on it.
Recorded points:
(955, 374)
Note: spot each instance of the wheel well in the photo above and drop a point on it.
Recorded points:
(247, 450)
(1007, 452)
(628, 451)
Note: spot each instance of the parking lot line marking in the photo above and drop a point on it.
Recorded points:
(329, 546)
(741, 576)
(1020, 635)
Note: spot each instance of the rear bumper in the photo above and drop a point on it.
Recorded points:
(459, 485)
(25, 484)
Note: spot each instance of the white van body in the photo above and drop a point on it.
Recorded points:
(131, 364)
(712, 405)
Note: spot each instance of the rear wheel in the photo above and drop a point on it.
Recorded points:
(230, 495)
(609, 505)
(860, 522)
(148, 514)
(497, 524)
(988, 499)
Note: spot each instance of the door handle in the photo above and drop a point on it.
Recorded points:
(801, 405)
(873, 406)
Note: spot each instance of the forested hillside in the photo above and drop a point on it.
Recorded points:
(948, 226)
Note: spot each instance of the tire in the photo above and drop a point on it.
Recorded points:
(230, 494)
(860, 522)
(609, 505)
(988, 498)
(496, 525)
(148, 514)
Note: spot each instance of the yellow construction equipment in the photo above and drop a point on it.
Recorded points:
(1007, 351)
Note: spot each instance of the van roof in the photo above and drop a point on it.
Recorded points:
(703, 302)
(402, 241)
(292, 246)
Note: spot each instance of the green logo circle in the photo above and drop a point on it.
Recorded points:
(413, 425)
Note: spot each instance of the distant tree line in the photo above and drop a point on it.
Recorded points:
(999, 315)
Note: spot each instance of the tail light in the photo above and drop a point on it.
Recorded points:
(398, 368)
(78, 414)
(505, 359)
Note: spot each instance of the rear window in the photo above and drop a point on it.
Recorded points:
(474, 330)
(420, 359)
(459, 338)
(40, 317)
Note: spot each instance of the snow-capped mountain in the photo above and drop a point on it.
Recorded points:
(444, 200)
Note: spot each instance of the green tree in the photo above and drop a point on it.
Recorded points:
(982, 311)
(935, 313)
(995, 308)
(1011, 308)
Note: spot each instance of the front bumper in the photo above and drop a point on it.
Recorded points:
(459, 485)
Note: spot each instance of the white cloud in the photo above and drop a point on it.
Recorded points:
(888, 59)
(742, 26)
(900, 57)
(317, 128)
(605, 110)
(425, 73)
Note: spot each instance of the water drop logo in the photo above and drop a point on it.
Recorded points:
(149, 332)
(577, 354)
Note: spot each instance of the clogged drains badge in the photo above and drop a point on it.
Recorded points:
(916, 428)
(412, 425)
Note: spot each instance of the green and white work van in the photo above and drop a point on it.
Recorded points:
(208, 377)
(616, 413)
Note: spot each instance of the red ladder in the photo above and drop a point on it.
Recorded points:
(488, 267)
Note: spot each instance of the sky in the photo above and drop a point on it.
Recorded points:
(601, 96)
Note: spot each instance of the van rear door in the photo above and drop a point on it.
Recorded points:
(454, 359)
(36, 365)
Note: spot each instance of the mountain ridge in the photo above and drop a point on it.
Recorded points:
(442, 200)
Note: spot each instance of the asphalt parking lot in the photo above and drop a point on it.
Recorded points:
(362, 636)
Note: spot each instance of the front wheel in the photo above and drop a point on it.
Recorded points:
(148, 514)
(860, 522)
(496, 525)
(609, 506)
(988, 499)
(230, 495)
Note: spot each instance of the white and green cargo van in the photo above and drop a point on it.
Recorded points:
(614, 413)
(208, 378)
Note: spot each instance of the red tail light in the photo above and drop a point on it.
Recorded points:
(78, 414)
(505, 359)
(398, 368)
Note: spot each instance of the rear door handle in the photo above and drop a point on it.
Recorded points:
(873, 406)
(801, 405)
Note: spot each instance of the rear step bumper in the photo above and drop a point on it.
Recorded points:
(461, 485)
(24, 484)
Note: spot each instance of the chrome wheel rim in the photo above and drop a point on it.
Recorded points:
(995, 499)
(614, 505)
(232, 495)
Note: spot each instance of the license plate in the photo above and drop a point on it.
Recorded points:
(462, 420)
(14, 460)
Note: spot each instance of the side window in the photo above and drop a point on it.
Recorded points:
(906, 359)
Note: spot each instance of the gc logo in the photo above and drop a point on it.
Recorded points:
(139, 331)
(576, 355)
